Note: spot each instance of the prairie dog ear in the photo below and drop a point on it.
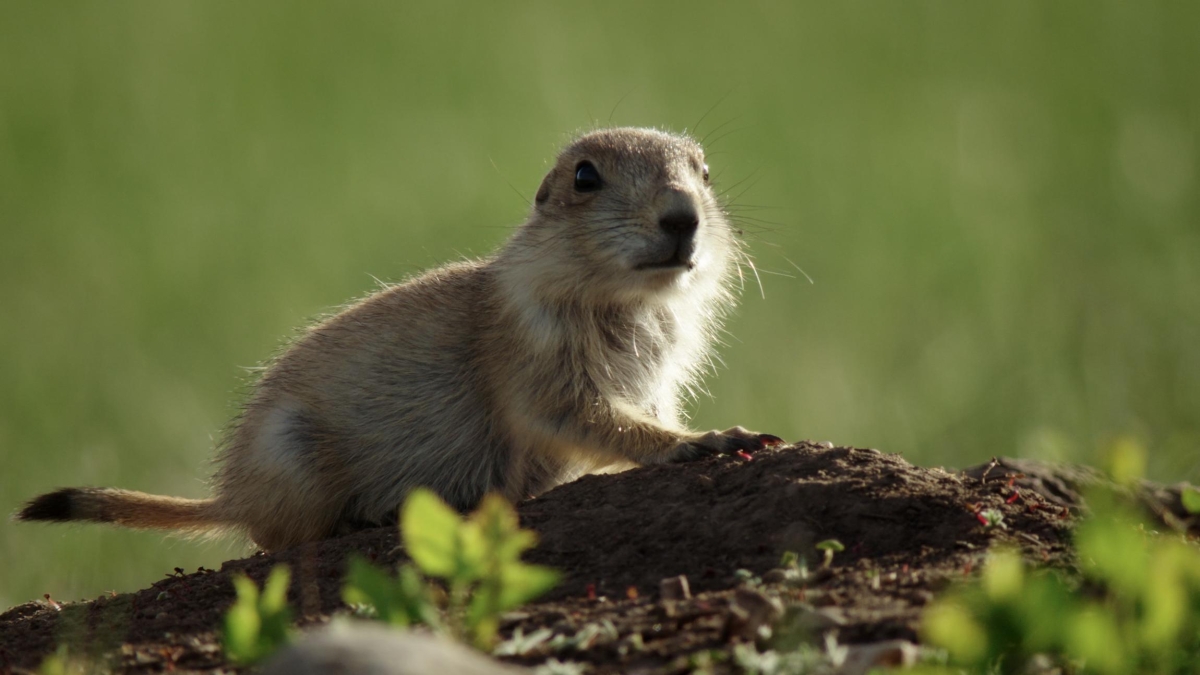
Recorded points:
(543, 192)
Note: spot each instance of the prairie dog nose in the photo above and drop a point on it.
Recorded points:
(680, 221)
(679, 217)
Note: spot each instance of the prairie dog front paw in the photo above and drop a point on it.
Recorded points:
(722, 443)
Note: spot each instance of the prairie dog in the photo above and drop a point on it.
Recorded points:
(565, 352)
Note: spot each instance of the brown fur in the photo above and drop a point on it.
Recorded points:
(565, 352)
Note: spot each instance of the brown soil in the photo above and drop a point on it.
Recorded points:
(908, 532)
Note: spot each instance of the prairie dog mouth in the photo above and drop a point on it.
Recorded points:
(682, 258)
(674, 262)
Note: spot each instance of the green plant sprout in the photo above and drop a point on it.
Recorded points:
(1133, 607)
(1191, 500)
(745, 576)
(830, 547)
(258, 624)
(478, 559)
(403, 601)
(795, 568)
(993, 518)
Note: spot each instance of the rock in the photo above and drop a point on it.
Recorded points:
(861, 659)
(777, 576)
(361, 648)
(807, 622)
(752, 615)
(675, 588)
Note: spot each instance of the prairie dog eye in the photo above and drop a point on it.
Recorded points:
(705, 173)
(587, 178)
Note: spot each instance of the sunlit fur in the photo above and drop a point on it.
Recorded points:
(554, 357)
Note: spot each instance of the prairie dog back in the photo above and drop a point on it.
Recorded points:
(567, 351)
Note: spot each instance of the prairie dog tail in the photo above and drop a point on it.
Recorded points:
(122, 507)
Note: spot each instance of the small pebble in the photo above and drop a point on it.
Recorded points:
(675, 588)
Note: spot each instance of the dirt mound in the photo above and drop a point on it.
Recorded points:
(907, 530)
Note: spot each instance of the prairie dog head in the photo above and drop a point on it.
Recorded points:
(626, 215)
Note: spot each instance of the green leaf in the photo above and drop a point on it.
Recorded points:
(274, 595)
(514, 585)
(482, 613)
(243, 625)
(831, 545)
(274, 613)
(55, 664)
(414, 597)
(1004, 576)
(241, 634)
(368, 585)
(1094, 637)
(479, 557)
(1114, 551)
(472, 555)
(400, 602)
(1045, 608)
(1126, 461)
(430, 530)
(949, 624)
(520, 583)
(1165, 601)
(501, 529)
(1190, 497)
(246, 589)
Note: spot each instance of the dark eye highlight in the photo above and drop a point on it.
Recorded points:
(705, 173)
(587, 178)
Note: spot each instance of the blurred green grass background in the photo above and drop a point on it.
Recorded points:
(997, 203)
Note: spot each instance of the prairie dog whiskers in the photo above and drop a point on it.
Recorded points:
(566, 351)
